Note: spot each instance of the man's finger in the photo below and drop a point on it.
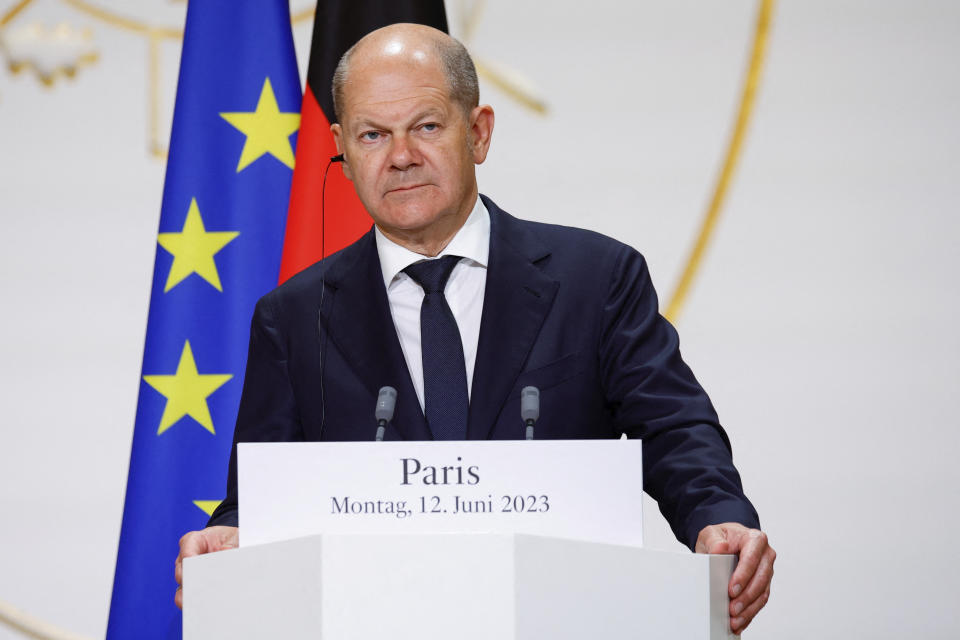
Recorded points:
(178, 598)
(760, 582)
(740, 622)
(712, 539)
(193, 543)
(751, 546)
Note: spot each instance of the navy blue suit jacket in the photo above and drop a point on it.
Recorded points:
(569, 311)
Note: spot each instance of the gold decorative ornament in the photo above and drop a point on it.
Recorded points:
(48, 52)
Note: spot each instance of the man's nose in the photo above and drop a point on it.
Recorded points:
(404, 153)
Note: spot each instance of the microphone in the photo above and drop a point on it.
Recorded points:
(386, 403)
(530, 408)
(337, 158)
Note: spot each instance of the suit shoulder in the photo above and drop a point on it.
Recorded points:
(552, 237)
(307, 284)
(576, 250)
(558, 235)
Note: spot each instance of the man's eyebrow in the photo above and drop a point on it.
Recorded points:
(369, 123)
(432, 112)
(366, 123)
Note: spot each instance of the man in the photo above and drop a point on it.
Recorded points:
(511, 303)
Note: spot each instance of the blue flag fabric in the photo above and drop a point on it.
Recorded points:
(219, 247)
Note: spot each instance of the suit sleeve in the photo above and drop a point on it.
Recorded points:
(268, 411)
(652, 394)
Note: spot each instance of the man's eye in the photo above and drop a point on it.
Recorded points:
(370, 136)
(430, 126)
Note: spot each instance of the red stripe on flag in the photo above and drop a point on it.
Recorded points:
(346, 219)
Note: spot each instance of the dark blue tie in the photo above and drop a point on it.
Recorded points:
(444, 371)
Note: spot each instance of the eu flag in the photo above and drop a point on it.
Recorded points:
(219, 246)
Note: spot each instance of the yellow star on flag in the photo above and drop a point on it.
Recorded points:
(193, 249)
(268, 130)
(207, 506)
(187, 391)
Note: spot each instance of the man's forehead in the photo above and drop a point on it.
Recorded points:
(395, 87)
(395, 71)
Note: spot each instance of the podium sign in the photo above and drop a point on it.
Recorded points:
(583, 489)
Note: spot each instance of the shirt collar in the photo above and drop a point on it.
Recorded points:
(472, 241)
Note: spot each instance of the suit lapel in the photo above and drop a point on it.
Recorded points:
(516, 301)
(360, 324)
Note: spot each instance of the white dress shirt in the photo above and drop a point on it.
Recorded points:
(464, 291)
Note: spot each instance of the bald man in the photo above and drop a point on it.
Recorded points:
(566, 310)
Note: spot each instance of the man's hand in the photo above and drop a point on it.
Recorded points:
(749, 586)
(197, 543)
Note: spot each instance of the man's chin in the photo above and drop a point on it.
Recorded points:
(406, 216)
(410, 207)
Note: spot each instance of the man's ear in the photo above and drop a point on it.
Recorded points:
(337, 132)
(481, 131)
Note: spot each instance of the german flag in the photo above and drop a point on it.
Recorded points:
(337, 26)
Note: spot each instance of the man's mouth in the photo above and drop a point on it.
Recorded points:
(405, 188)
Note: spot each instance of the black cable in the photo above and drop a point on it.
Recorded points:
(323, 254)
(323, 205)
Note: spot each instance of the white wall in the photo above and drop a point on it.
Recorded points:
(823, 325)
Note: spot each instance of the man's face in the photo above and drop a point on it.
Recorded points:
(410, 150)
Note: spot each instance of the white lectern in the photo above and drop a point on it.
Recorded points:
(464, 586)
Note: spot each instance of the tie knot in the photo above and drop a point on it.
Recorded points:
(432, 275)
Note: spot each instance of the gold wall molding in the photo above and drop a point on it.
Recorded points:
(13, 12)
(694, 261)
(511, 82)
